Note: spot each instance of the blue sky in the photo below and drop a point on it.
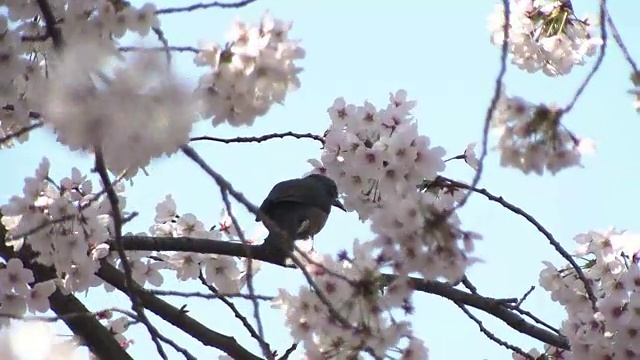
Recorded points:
(442, 56)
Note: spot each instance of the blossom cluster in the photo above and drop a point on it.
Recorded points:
(248, 75)
(361, 319)
(386, 171)
(532, 138)
(117, 326)
(143, 112)
(23, 47)
(16, 297)
(379, 160)
(222, 271)
(613, 330)
(544, 35)
(68, 225)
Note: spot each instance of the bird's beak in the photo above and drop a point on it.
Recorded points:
(339, 205)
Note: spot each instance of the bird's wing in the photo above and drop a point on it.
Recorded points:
(303, 191)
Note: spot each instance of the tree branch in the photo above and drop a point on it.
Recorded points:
(177, 317)
(92, 333)
(203, 6)
(116, 217)
(50, 24)
(491, 306)
(443, 181)
(259, 139)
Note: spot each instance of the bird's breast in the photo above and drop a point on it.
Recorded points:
(316, 218)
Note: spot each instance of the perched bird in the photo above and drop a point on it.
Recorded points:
(299, 208)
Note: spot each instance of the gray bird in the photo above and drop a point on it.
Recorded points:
(299, 208)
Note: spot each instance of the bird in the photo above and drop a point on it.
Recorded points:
(298, 208)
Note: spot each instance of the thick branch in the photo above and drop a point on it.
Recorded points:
(491, 306)
(488, 305)
(547, 234)
(202, 246)
(91, 332)
(177, 317)
(50, 24)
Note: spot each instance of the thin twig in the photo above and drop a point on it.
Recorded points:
(467, 283)
(177, 317)
(266, 351)
(217, 295)
(165, 43)
(259, 338)
(556, 245)
(596, 66)
(167, 340)
(525, 296)
(616, 36)
(20, 132)
(328, 271)
(493, 337)
(262, 138)
(159, 335)
(116, 216)
(497, 92)
(289, 351)
(65, 218)
(203, 6)
(158, 48)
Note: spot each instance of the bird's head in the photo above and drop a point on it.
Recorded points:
(330, 186)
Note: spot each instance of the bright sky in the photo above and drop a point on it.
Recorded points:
(441, 54)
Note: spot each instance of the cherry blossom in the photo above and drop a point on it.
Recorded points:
(16, 278)
(532, 138)
(38, 298)
(544, 35)
(130, 110)
(378, 159)
(154, 116)
(355, 296)
(255, 70)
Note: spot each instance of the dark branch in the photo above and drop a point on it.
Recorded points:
(616, 36)
(547, 234)
(177, 317)
(50, 24)
(492, 336)
(116, 216)
(596, 66)
(203, 6)
(259, 139)
(254, 334)
(87, 328)
(494, 307)
(20, 132)
(202, 246)
(497, 92)
(491, 306)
